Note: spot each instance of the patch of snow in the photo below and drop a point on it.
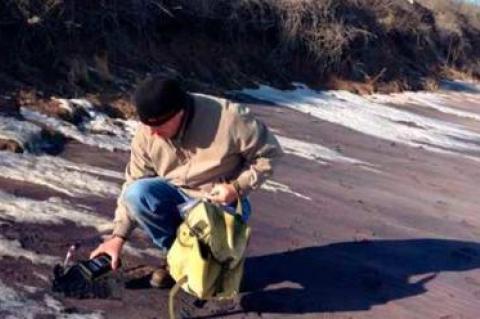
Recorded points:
(26, 134)
(436, 101)
(41, 276)
(99, 122)
(273, 186)
(59, 174)
(51, 211)
(63, 104)
(104, 124)
(18, 305)
(81, 103)
(373, 118)
(315, 152)
(114, 135)
(29, 289)
(129, 125)
(13, 248)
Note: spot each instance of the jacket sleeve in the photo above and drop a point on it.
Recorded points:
(258, 147)
(138, 167)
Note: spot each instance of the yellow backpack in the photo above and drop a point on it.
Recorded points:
(207, 257)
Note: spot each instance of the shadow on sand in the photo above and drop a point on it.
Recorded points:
(350, 276)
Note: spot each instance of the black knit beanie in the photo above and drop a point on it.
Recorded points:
(158, 99)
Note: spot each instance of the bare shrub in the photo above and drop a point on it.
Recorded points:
(312, 25)
(83, 40)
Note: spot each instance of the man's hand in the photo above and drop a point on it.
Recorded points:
(112, 247)
(223, 194)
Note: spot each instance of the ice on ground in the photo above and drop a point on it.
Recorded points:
(98, 122)
(125, 129)
(115, 134)
(272, 186)
(439, 101)
(30, 289)
(51, 211)
(59, 174)
(97, 129)
(26, 134)
(57, 308)
(41, 276)
(71, 105)
(18, 305)
(13, 248)
(373, 118)
(315, 152)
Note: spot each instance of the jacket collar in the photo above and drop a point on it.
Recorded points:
(189, 112)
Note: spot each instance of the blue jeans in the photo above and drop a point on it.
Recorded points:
(153, 202)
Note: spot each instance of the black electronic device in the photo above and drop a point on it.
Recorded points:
(91, 278)
(96, 267)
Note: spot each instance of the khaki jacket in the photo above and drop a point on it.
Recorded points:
(218, 141)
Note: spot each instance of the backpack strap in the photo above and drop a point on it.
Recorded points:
(239, 209)
(225, 267)
(171, 296)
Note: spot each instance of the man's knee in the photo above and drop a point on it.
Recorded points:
(136, 193)
(144, 193)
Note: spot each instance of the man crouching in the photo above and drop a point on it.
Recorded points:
(187, 146)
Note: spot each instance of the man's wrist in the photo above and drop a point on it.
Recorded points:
(122, 238)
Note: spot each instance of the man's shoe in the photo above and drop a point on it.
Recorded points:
(161, 278)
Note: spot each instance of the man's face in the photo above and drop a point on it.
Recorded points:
(169, 128)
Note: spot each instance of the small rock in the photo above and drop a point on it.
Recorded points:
(9, 145)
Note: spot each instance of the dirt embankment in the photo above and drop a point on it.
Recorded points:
(73, 48)
(101, 51)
